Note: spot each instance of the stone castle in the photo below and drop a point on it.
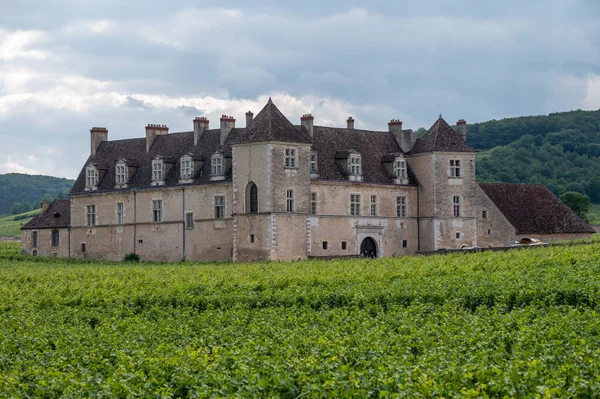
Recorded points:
(278, 191)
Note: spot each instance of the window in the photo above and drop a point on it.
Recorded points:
(489, 232)
(401, 206)
(373, 205)
(404, 243)
(355, 204)
(83, 247)
(290, 201)
(290, 157)
(251, 198)
(91, 173)
(458, 236)
(157, 170)
(189, 220)
(157, 211)
(120, 212)
(484, 214)
(313, 163)
(454, 168)
(187, 167)
(91, 215)
(121, 174)
(34, 239)
(354, 165)
(456, 205)
(251, 238)
(400, 168)
(55, 238)
(220, 207)
(217, 164)
(344, 245)
(313, 203)
(325, 244)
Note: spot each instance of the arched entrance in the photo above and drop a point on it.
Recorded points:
(368, 248)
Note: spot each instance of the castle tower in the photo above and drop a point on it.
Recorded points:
(445, 168)
(271, 189)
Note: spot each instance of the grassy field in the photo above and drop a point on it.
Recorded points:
(522, 323)
(9, 227)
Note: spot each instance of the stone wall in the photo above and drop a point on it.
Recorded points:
(168, 240)
(44, 245)
(493, 230)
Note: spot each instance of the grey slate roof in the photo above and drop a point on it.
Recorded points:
(271, 125)
(58, 215)
(441, 137)
(533, 209)
(333, 143)
(170, 146)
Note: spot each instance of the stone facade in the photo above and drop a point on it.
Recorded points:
(275, 191)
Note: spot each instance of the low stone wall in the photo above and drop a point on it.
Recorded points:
(596, 227)
(10, 239)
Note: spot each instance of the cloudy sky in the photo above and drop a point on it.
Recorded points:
(66, 66)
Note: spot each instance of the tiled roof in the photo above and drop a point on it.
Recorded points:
(170, 146)
(271, 125)
(57, 215)
(332, 143)
(441, 137)
(533, 209)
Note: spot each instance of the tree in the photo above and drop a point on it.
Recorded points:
(579, 203)
(48, 198)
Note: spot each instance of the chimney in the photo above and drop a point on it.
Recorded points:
(350, 122)
(249, 116)
(152, 131)
(406, 139)
(200, 126)
(227, 123)
(461, 129)
(307, 121)
(44, 205)
(97, 136)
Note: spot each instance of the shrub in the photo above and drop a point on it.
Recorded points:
(132, 257)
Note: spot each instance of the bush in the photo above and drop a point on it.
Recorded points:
(132, 257)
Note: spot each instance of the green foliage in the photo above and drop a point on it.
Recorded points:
(17, 188)
(48, 198)
(560, 151)
(132, 257)
(579, 203)
(516, 324)
(10, 225)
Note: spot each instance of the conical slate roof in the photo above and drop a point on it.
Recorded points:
(441, 137)
(270, 125)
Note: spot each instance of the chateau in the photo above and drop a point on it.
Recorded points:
(278, 191)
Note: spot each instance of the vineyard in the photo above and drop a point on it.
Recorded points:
(522, 323)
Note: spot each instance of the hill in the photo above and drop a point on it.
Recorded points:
(560, 151)
(522, 323)
(10, 225)
(18, 188)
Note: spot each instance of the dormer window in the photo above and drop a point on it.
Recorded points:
(158, 171)
(400, 168)
(290, 158)
(217, 166)
(121, 174)
(313, 164)
(355, 167)
(187, 167)
(91, 177)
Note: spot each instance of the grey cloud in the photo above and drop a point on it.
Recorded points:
(465, 59)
